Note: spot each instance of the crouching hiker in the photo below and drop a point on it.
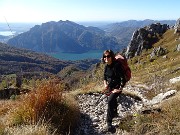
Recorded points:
(114, 82)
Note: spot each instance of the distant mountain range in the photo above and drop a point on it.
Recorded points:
(64, 36)
(67, 36)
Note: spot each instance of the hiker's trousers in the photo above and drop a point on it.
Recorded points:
(112, 107)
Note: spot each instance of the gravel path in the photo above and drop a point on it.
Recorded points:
(93, 117)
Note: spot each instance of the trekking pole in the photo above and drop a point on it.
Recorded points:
(100, 98)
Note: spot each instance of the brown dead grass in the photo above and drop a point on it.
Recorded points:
(45, 105)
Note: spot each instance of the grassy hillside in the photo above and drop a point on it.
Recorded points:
(160, 69)
(14, 60)
(156, 74)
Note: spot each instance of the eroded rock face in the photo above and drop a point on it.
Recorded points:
(158, 51)
(143, 38)
(177, 26)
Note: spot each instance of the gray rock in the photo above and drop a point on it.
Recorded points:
(143, 38)
(177, 27)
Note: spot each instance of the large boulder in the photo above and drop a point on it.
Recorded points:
(158, 51)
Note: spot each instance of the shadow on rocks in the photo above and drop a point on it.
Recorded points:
(125, 101)
(86, 126)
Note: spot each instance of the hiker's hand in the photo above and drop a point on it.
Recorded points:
(106, 86)
(105, 89)
(116, 91)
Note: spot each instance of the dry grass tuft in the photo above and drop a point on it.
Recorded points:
(39, 129)
(89, 88)
(47, 104)
(2, 128)
(132, 95)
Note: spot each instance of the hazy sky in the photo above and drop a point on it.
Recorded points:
(87, 10)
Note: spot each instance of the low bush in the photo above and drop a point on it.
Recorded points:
(47, 104)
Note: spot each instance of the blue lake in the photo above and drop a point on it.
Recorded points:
(7, 33)
(73, 56)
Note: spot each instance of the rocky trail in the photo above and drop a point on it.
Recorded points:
(93, 116)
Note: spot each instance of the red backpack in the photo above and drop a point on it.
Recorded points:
(126, 68)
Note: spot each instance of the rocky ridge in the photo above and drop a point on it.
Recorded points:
(177, 26)
(144, 38)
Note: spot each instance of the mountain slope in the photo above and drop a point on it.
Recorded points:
(15, 60)
(150, 68)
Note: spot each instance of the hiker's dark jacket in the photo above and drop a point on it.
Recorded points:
(114, 75)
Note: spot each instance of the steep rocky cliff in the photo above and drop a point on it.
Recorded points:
(144, 38)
